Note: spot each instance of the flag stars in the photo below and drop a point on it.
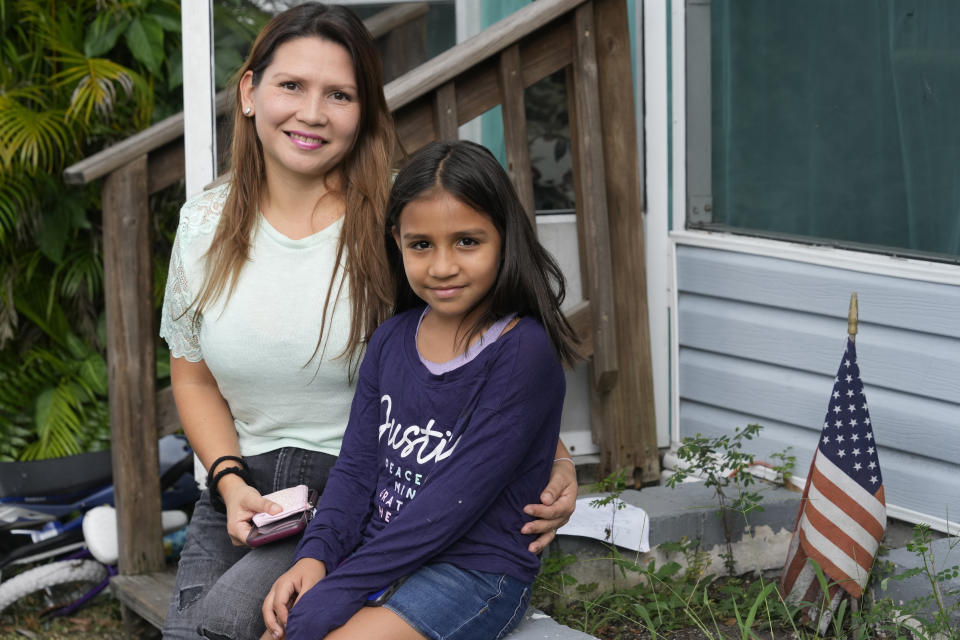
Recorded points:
(869, 435)
(866, 420)
(836, 394)
(839, 439)
(851, 408)
(854, 437)
(836, 409)
(870, 450)
(857, 466)
(841, 453)
(826, 439)
(846, 363)
(872, 465)
(855, 452)
(849, 378)
(853, 422)
(849, 393)
(839, 423)
(874, 479)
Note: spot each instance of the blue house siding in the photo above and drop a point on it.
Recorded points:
(760, 340)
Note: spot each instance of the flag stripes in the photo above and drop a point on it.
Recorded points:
(842, 513)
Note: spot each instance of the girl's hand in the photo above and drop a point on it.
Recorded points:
(286, 591)
(243, 501)
(558, 501)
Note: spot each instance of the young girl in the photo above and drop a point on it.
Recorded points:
(453, 425)
(277, 279)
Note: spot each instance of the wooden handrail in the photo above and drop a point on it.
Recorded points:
(485, 44)
(156, 136)
(150, 139)
(395, 17)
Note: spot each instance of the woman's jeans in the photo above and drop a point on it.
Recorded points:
(220, 588)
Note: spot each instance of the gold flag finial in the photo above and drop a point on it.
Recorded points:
(852, 316)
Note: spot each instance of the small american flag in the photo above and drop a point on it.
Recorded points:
(843, 512)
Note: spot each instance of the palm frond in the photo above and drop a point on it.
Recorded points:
(58, 419)
(32, 138)
(14, 436)
(81, 269)
(95, 83)
(21, 382)
(8, 309)
(34, 303)
(15, 198)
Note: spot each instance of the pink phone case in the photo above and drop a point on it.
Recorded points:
(293, 500)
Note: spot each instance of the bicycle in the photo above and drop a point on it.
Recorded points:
(37, 522)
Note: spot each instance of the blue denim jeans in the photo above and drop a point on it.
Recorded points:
(444, 602)
(220, 588)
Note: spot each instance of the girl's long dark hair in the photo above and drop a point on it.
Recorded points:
(529, 282)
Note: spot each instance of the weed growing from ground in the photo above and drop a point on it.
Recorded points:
(722, 463)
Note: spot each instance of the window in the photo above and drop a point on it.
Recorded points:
(827, 122)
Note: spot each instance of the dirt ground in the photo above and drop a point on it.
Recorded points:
(99, 620)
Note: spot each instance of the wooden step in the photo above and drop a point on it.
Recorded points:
(148, 594)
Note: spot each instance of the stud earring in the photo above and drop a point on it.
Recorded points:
(247, 111)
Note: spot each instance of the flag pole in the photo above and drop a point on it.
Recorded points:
(852, 317)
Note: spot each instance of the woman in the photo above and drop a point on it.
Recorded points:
(276, 281)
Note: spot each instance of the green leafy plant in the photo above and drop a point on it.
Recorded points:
(722, 463)
(917, 612)
(75, 77)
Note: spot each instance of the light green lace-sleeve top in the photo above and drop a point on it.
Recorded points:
(259, 344)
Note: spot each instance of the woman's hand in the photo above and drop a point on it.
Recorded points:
(242, 502)
(286, 591)
(558, 501)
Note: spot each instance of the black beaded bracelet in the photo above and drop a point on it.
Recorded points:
(215, 498)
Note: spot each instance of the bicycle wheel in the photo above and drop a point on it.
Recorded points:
(64, 582)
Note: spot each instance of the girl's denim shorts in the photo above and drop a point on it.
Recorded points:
(444, 602)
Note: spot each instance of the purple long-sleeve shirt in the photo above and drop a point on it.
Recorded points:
(433, 468)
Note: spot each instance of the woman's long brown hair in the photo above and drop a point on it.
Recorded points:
(364, 186)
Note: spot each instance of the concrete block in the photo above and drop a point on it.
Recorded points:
(760, 539)
(537, 625)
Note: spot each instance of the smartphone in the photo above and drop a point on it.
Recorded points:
(278, 530)
(284, 528)
(379, 597)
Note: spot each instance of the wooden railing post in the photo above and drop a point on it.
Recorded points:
(445, 112)
(586, 135)
(629, 412)
(510, 78)
(131, 360)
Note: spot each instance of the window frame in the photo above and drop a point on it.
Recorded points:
(698, 207)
